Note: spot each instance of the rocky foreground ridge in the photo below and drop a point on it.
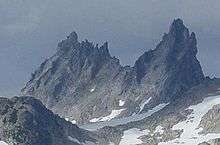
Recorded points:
(26, 121)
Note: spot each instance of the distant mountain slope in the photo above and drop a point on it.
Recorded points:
(25, 121)
(192, 119)
(84, 83)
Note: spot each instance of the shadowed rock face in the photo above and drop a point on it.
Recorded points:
(25, 121)
(172, 66)
(83, 81)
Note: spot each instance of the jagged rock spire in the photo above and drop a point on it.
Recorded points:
(67, 78)
(104, 49)
(179, 30)
(177, 26)
(175, 58)
(66, 45)
(178, 40)
(193, 43)
(73, 36)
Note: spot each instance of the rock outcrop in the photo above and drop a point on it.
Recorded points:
(83, 81)
(25, 121)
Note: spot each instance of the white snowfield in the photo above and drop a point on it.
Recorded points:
(72, 121)
(131, 136)
(143, 104)
(73, 139)
(121, 103)
(159, 129)
(190, 135)
(89, 143)
(78, 142)
(113, 114)
(3, 143)
(125, 120)
(93, 89)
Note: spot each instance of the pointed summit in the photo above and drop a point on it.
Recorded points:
(179, 30)
(177, 26)
(177, 22)
(66, 44)
(73, 36)
(104, 49)
(175, 58)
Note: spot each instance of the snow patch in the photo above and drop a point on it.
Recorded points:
(74, 139)
(113, 114)
(89, 143)
(78, 142)
(121, 103)
(93, 89)
(190, 135)
(131, 136)
(95, 119)
(3, 143)
(72, 121)
(159, 129)
(143, 104)
(125, 120)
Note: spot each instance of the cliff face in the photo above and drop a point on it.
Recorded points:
(82, 81)
(25, 121)
(172, 67)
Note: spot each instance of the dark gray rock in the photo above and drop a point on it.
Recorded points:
(177, 111)
(211, 120)
(204, 143)
(25, 121)
(83, 81)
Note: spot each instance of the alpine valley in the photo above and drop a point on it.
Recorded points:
(82, 95)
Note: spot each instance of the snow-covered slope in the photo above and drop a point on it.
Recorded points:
(113, 114)
(188, 120)
(3, 143)
(125, 120)
(190, 126)
(131, 136)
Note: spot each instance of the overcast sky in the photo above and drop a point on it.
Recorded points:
(31, 29)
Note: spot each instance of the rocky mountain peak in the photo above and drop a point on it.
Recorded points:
(104, 50)
(176, 25)
(83, 76)
(68, 44)
(178, 29)
(85, 47)
(73, 36)
(174, 59)
(178, 42)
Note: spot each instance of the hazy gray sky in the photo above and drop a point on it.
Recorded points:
(31, 29)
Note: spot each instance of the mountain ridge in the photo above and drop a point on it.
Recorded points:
(163, 99)
(83, 81)
(25, 120)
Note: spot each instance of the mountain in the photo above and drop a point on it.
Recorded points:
(164, 99)
(26, 121)
(84, 83)
(192, 119)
